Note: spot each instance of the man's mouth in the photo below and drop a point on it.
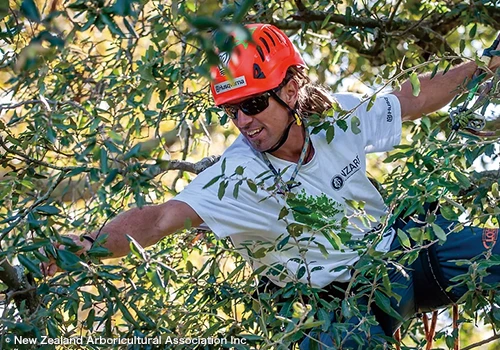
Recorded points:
(254, 132)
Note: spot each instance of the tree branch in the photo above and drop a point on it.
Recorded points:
(43, 102)
(39, 201)
(482, 342)
(20, 289)
(430, 33)
(33, 160)
(194, 168)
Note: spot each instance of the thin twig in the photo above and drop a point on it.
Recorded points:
(36, 161)
(482, 342)
(391, 18)
(34, 205)
(44, 102)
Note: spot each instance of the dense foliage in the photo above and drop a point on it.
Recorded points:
(105, 105)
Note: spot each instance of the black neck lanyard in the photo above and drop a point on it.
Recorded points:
(287, 187)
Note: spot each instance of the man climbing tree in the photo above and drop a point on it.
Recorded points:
(293, 196)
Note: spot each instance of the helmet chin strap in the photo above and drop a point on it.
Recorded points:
(296, 119)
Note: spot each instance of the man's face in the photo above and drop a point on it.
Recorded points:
(263, 130)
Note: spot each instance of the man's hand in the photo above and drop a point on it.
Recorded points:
(50, 268)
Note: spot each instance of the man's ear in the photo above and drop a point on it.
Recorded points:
(290, 93)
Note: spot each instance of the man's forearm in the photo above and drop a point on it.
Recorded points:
(140, 223)
(147, 225)
(435, 93)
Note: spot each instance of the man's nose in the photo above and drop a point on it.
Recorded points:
(243, 119)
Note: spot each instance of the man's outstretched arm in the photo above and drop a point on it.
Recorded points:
(147, 225)
(437, 92)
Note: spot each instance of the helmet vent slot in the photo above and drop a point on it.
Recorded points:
(278, 36)
(265, 44)
(270, 37)
(261, 53)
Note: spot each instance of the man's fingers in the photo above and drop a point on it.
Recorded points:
(49, 269)
(52, 269)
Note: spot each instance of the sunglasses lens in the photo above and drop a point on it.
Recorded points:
(255, 105)
(252, 106)
(231, 111)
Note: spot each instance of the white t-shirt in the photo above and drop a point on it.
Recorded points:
(336, 173)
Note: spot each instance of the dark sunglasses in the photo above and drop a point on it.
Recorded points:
(252, 106)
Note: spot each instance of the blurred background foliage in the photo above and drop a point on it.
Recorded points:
(104, 105)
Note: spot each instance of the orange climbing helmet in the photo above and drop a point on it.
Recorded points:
(255, 67)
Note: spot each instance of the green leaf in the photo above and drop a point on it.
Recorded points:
(29, 9)
(348, 14)
(282, 243)
(53, 329)
(462, 179)
(239, 170)
(283, 212)
(104, 160)
(342, 124)
(126, 314)
(434, 70)
(251, 337)
(295, 229)
(90, 319)
(122, 7)
(137, 249)
(417, 234)
(211, 182)
(330, 133)
(4, 11)
(302, 210)
(323, 250)
(448, 213)
(403, 238)
(301, 272)
(384, 303)
(473, 30)
(30, 265)
(252, 186)
(243, 9)
(415, 84)
(156, 278)
(204, 23)
(439, 232)
(236, 190)
(333, 238)
(371, 102)
(67, 260)
(47, 209)
(111, 176)
(355, 123)
(222, 189)
(113, 28)
(133, 152)
(223, 165)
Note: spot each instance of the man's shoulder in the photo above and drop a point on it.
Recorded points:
(348, 100)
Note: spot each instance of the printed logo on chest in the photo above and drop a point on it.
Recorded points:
(347, 171)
